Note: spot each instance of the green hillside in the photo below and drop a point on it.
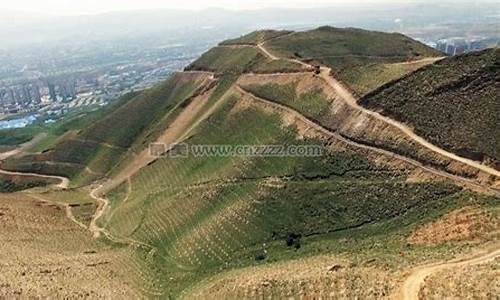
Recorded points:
(256, 37)
(90, 153)
(452, 103)
(352, 53)
(239, 59)
(217, 213)
(327, 210)
(328, 44)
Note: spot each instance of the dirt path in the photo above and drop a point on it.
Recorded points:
(64, 181)
(24, 146)
(351, 100)
(66, 206)
(178, 131)
(102, 205)
(175, 133)
(415, 281)
(280, 107)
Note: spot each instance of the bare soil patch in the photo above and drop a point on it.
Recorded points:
(468, 223)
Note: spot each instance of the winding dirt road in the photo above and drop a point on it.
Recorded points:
(411, 287)
(23, 147)
(351, 100)
(102, 205)
(280, 107)
(64, 181)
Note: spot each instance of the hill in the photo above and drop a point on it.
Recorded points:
(89, 153)
(269, 180)
(363, 59)
(453, 103)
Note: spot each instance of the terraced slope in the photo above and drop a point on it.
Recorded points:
(334, 216)
(91, 153)
(352, 52)
(224, 212)
(452, 103)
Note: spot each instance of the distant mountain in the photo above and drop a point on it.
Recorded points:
(22, 30)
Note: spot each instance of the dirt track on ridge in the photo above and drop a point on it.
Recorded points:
(326, 131)
(351, 100)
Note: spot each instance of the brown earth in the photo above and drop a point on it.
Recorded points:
(467, 223)
(44, 254)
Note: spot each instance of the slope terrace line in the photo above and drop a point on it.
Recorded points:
(351, 100)
(326, 131)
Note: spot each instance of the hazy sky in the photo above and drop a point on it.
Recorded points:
(64, 7)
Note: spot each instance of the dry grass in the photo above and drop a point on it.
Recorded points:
(468, 282)
(44, 254)
(320, 277)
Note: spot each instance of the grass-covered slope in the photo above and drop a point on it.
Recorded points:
(235, 60)
(91, 152)
(452, 103)
(256, 37)
(354, 53)
(326, 44)
(211, 224)
(239, 59)
(205, 214)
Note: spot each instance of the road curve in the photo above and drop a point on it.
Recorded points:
(460, 180)
(64, 182)
(411, 287)
(102, 205)
(23, 147)
(351, 100)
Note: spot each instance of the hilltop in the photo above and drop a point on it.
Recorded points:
(377, 201)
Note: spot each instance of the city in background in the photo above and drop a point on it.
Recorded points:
(60, 64)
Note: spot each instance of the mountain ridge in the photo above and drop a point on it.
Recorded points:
(203, 226)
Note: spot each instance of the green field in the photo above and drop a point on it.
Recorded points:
(228, 60)
(329, 42)
(312, 103)
(365, 78)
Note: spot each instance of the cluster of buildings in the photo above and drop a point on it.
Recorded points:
(31, 95)
(66, 92)
(460, 45)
